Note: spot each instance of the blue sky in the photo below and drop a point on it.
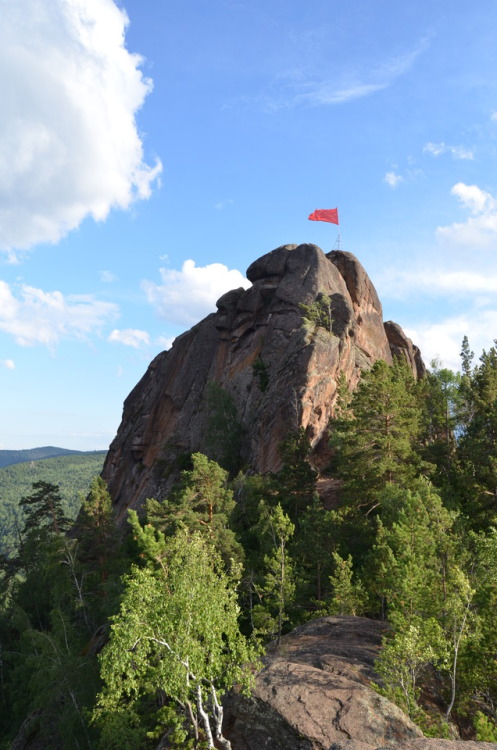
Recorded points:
(150, 151)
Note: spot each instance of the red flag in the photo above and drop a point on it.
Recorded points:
(325, 214)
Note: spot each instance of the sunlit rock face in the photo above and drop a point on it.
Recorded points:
(280, 373)
(314, 692)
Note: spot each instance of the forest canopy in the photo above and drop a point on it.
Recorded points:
(145, 633)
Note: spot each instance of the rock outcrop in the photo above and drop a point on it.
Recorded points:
(256, 330)
(313, 694)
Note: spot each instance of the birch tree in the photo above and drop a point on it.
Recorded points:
(175, 645)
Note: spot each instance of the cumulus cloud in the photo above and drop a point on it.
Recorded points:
(185, 297)
(69, 144)
(39, 317)
(9, 364)
(130, 337)
(443, 339)
(393, 179)
(457, 152)
(480, 229)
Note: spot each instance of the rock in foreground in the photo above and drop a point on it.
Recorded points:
(313, 694)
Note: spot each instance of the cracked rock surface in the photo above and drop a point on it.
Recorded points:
(165, 415)
(313, 694)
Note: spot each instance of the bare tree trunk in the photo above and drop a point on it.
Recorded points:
(205, 718)
(453, 677)
(218, 715)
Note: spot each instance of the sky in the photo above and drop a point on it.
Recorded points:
(150, 151)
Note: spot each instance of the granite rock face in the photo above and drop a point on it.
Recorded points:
(313, 694)
(165, 415)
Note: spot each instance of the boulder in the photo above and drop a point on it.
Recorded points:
(314, 693)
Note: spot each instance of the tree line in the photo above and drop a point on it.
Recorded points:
(130, 643)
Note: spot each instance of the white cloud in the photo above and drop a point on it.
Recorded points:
(9, 364)
(437, 282)
(38, 317)
(302, 86)
(69, 145)
(380, 77)
(325, 92)
(165, 342)
(393, 179)
(480, 229)
(185, 297)
(443, 339)
(475, 199)
(457, 152)
(130, 337)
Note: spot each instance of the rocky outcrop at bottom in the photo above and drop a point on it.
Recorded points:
(314, 694)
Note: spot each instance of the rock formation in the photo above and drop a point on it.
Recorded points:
(255, 332)
(313, 694)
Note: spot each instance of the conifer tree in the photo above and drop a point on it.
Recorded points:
(295, 484)
(477, 448)
(201, 501)
(43, 508)
(375, 437)
(349, 596)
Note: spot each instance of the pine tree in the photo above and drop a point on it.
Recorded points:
(477, 448)
(295, 484)
(201, 501)
(43, 508)
(349, 596)
(375, 437)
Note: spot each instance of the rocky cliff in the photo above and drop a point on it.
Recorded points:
(280, 373)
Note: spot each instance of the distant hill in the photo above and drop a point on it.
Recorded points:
(8, 458)
(72, 471)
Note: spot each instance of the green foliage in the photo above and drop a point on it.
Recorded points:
(477, 449)
(57, 596)
(318, 313)
(374, 437)
(43, 507)
(486, 729)
(11, 457)
(295, 485)
(349, 597)
(413, 645)
(176, 636)
(442, 404)
(202, 501)
(263, 554)
(407, 564)
(278, 585)
(224, 430)
(71, 473)
(317, 537)
(260, 370)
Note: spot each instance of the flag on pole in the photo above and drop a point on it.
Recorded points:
(325, 214)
